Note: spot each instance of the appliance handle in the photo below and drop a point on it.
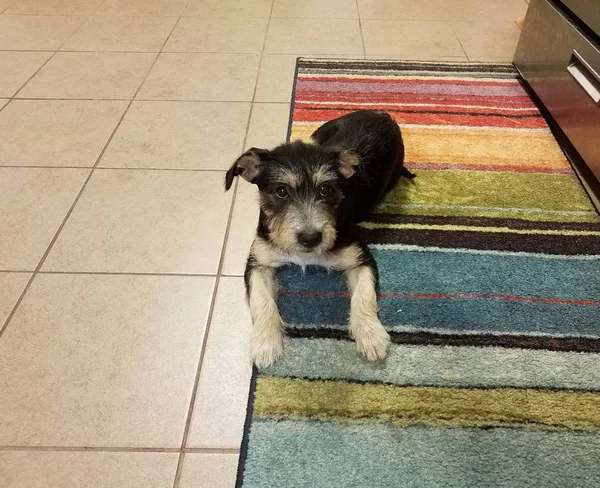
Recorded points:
(585, 75)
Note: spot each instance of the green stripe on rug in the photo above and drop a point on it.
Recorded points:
(542, 197)
(294, 398)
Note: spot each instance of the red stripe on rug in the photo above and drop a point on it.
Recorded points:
(445, 296)
(408, 81)
(319, 116)
(381, 97)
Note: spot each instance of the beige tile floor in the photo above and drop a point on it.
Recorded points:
(124, 331)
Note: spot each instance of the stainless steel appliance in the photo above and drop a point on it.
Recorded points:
(559, 56)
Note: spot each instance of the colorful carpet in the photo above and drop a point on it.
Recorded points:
(490, 287)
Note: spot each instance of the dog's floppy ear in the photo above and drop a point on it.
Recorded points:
(248, 166)
(349, 163)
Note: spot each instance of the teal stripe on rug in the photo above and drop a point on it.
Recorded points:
(441, 366)
(299, 454)
(516, 276)
(457, 315)
(442, 272)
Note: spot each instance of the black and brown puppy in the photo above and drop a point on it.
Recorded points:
(311, 198)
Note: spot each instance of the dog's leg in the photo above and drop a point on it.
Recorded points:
(267, 336)
(371, 338)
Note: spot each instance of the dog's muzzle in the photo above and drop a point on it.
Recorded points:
(310, 239)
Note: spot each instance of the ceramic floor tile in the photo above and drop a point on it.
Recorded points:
(414, 38)
(242, 229)
(442, 10)
(235, 35)
(492, 40)
(495, 59)
(268, 125)
(54, 7)
(17, 68)
(49, 469)
(34, 202)
(56, 132)
(90, 75)
(3, 102)
(276, 78)
(209, 471)
(176, 135)
(225, 77)
(143, 34)
(11, 286)
(4, 4)
(228, 8)
(145, 221)
(36, 33)
(102, 360)
(318, 9)
(404, 57)
(314, 36)
(220, 410)
(142, 7)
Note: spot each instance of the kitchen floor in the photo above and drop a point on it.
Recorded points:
(124, 330)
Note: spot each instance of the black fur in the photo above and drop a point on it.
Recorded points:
(374, 137)
(311, 198)
(377, 140)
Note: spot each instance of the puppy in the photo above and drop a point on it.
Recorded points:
(311, 198)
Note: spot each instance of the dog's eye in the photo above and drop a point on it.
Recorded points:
(282, 192)
(325, 190)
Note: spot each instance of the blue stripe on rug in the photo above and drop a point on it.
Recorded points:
(327, 455)
(441, 366)
(439, 272)
(473, 315)
(498, 288)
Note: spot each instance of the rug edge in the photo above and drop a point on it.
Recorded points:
(252, 390)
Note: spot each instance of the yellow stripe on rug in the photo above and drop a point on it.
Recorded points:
(295, 398)
(477, 146)
(473, 228)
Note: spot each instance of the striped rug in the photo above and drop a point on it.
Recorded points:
(490, 288)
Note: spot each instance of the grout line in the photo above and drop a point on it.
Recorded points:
(360, 28)
(44, 64)
(87, 449)
(96, 51)
(34, 74)
(121, 273)
(205, 338)
(97, 8)
(186, 432)
(458, 39)
(140, 168)
(198, 450)
(211, 450)
(127, 99)
(77, 197)
(188, 421)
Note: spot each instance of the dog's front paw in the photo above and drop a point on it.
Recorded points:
(266, 348)
(371, 339)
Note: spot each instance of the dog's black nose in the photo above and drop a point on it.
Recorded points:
(310, 238)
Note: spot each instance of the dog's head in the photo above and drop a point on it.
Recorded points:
(301, 186)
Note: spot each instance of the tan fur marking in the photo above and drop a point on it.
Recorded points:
(267, 334)
(290, 179)
(266, 254)
(349, 163)
(321, 176)
(371, 338)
